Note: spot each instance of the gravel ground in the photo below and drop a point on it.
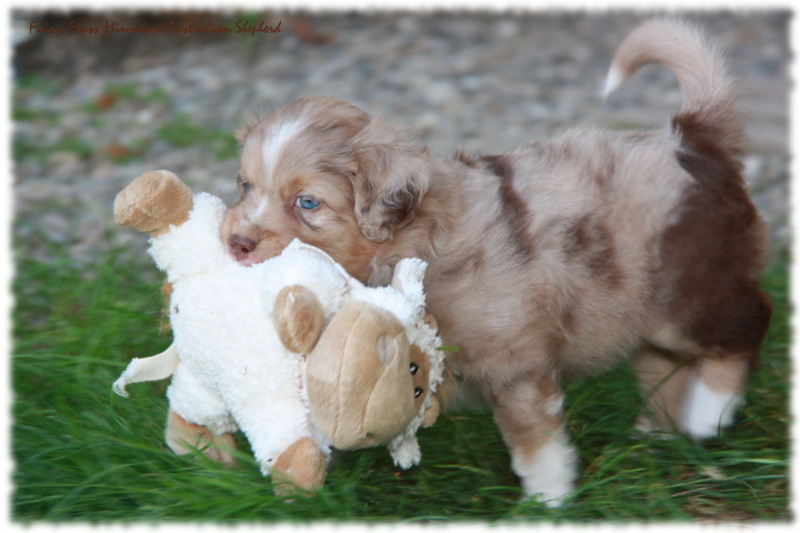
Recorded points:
(93, 111)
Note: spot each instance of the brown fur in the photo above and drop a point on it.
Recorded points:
(555, 259)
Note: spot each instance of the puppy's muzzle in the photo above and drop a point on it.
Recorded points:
(241, 247)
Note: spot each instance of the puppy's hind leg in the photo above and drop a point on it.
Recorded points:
(663, 379)
(728, 339)
(695, 395)
(528, 411)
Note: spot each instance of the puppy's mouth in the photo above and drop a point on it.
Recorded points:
(247, 261)
(248, 252)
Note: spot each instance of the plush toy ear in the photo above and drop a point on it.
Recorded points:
(153, 202)
(391, 179)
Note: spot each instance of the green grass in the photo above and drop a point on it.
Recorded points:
(82, 454)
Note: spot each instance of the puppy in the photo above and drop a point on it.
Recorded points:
(556, 259)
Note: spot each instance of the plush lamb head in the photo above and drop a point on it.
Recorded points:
(294, 352)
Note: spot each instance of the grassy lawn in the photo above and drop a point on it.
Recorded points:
(83, 454)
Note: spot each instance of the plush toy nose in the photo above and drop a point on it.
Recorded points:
(240, 246)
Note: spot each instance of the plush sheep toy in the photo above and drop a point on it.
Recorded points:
(294, 352)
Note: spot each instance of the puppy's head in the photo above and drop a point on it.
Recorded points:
(325, 172)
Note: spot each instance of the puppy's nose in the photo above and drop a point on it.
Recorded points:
(240, 246)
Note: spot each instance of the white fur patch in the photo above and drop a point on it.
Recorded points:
(614, 79)
(278, 139)
(550, 475)
(555, 406)
(706, 412)
(260, 208)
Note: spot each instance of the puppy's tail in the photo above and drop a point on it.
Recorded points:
(707, 93)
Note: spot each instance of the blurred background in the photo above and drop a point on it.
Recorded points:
(91, 111)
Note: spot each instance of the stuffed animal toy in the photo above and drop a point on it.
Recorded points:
(294, 352)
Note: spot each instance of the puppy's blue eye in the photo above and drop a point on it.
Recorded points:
(307, 202)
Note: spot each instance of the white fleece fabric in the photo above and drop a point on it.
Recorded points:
(232, 370)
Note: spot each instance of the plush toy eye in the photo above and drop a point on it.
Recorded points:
(417, 392)
(414, 369)
(306, 202)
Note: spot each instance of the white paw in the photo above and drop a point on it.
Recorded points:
(706, 411)
(550, 474)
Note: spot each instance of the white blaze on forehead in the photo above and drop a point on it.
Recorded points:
(278, 136)
(263, 204)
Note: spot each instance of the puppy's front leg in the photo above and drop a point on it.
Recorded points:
(528, 410)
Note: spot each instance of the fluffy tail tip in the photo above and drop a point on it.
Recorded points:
(614, 79)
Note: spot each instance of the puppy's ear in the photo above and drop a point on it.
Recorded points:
(392, 177)
(249, 122)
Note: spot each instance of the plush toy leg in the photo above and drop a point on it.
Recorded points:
(298, 318)
(152, 202)
(300, 468)
(182, 437)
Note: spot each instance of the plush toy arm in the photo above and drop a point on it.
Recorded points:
(153, 368)
(152, 202)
